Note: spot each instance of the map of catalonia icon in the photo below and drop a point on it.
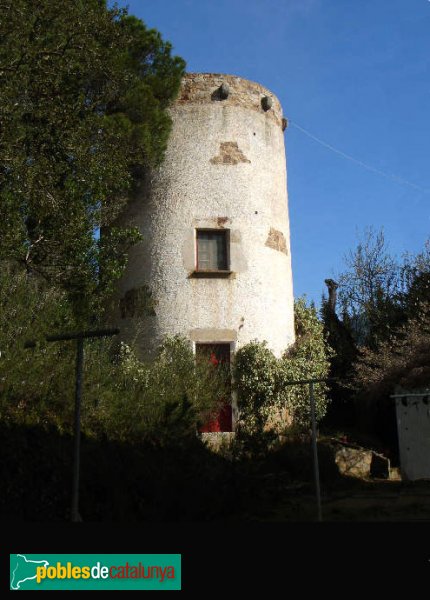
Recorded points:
(24, 570)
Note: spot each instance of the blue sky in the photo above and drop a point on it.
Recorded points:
(355, 74)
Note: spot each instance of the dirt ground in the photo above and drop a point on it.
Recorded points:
(373, 500)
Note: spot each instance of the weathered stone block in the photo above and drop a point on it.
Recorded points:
(355, 462)
(277, 241)
(229, 154)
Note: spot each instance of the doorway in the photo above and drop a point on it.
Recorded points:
(217, 355)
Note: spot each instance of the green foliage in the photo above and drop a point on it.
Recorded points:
(378, 292)
(402, 360)
(308, 358)
(34, 383)
(260, 378)
(369, 289)
(415, 273)
(123, 398)
(345, 350)
(398, 363)
(83, 97)
(381, 338)
(167, 399)
(256, 381)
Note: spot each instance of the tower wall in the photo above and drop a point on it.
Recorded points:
(224, 168)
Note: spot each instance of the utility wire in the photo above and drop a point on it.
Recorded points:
(359, 162)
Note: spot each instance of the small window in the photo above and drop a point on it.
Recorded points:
(212, 249)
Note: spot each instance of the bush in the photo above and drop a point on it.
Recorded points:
(35, 384)
(403, 360)
(170, 397)
(123, 398)
(308, 358)
(265, 400)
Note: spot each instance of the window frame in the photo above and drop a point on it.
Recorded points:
(226, 235)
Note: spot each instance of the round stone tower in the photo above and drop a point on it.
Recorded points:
(214, 264)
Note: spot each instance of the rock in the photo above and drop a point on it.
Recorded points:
(353, 461)
(395, 474)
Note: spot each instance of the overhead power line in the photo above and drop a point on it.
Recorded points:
(390, 176)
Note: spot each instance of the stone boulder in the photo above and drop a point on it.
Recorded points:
(355, 462)
(361, 462)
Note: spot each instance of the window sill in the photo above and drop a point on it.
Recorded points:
(198, 274)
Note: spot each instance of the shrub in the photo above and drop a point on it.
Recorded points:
(168, 398)
(123, 398)
(35, 384)
(265, 400)
(308, 358)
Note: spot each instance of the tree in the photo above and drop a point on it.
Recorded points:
(378, 292)
(403, 360)
(381, 339)
(341, 339)
(123, 398)
(370, 289)
(400, 361)
(83, 96)
(415, 274)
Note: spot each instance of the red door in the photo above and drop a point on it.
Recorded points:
(217, 354)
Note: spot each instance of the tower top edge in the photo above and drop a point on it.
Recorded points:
(228, 90)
